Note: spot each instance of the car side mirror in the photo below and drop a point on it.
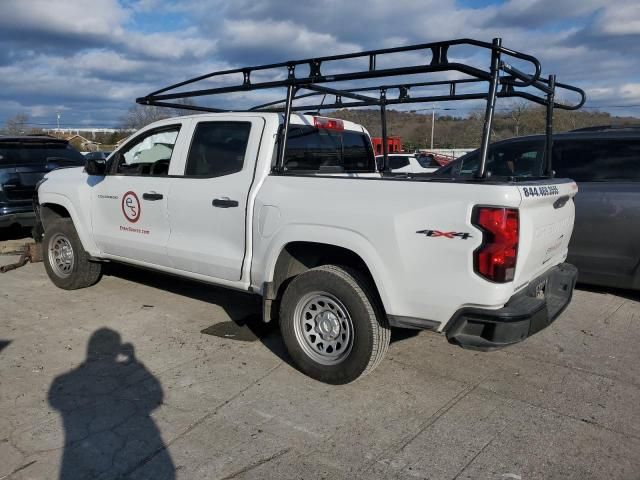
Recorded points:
(95, 167)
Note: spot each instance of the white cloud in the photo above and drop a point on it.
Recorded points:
(630, 91)
(621, 17)
(96, 57)
(98, 17)
(260, 34)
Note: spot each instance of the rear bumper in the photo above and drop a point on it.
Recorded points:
(526, 313)
(23, 216)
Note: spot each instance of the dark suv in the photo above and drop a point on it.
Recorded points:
(605, 162)
(23, 162)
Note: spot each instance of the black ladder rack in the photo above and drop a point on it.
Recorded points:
(502, 79)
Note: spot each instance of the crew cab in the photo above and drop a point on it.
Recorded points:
(292, 207)
(194, 196)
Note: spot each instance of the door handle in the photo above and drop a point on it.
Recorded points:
(224, 202)
(152, 196)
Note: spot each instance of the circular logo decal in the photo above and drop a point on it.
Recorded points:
(131, 207)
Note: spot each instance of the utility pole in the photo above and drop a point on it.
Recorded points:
(433, 123)
(58, 121)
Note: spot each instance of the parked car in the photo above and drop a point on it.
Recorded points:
(24, 160)
(605, 162)
(409, 163)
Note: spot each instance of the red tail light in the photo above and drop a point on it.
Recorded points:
(496, 258)
(328, 123)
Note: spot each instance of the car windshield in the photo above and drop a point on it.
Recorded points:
(516, 159)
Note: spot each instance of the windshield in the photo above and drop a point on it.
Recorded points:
(511, 159)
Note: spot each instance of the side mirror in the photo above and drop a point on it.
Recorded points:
(95, 167)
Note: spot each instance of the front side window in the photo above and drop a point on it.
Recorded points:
(218, 148)
(315, 149)
(148, 155)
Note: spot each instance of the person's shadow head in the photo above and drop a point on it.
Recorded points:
(105, 404)
(104, 344)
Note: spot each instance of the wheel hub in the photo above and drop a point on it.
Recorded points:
(61, 256)
(323, 328)
(327, 325)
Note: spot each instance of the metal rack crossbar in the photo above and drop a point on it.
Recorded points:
(503, 79)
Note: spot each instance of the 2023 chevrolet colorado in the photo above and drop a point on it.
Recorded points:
(338, 251)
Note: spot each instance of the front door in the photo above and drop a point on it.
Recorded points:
(129, 204)
(207, 206)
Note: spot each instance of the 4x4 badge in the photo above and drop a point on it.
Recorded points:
(439, 233)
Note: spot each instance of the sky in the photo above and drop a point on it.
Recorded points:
(87, 60)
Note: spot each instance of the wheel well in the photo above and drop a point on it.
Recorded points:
(298, 257)
(51, 211)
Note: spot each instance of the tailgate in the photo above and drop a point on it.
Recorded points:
(547, 213)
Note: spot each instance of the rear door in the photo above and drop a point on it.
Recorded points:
(606, 242)
(208, 203)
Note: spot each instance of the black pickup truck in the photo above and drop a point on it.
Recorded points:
(24, 160)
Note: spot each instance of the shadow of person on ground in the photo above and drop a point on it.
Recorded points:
(105, 404)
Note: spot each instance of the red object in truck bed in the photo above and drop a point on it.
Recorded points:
(394, 145)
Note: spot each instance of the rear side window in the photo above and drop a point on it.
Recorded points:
(38, 153)
(311, 149)
(598, 160)
(218, 149)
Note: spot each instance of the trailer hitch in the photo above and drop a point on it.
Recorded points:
(31, 252)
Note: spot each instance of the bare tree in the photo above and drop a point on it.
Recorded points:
(518, 111)
(140, 116)
(17, 125)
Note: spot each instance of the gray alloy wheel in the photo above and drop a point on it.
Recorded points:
(67, 263)
(61, 256)
(323, 328)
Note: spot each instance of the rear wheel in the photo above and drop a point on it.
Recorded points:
(333, 324)
(65, 261)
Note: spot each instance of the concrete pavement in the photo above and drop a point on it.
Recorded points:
(145, 376)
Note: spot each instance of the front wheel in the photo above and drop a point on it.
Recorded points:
(65, 261)
(333, 324)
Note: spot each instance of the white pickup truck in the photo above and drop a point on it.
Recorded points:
(341, 256)
(339, 251)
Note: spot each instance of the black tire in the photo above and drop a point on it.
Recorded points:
(81, 272)
(370, 331)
